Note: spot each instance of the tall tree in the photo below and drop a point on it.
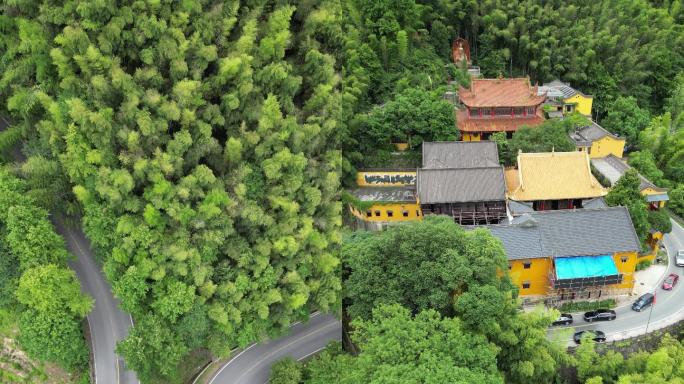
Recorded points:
(626, 193)
(397, 346)
(419, 265)
(626, 118)
(201, 139)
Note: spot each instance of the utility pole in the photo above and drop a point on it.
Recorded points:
(651, 311)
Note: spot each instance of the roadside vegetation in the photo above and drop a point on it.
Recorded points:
(627, 54)
(200, 143)
(203, 145)
(664, 365)
(413, 290)
(41, 302)
(581, 306)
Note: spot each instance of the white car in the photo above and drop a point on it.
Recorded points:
(679, 261)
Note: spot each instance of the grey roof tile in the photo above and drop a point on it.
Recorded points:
(460, 154)
(564, 88)
(519, 243)
(393, 194)
(518, 207)
(612, 168)
(584, 136)
(463, 185)
(564, 233)
(597, 202)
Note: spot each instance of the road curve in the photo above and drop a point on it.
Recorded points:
(107, 323)
(629, 323)
(253, 365)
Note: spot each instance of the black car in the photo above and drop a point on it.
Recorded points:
(564, 319)
(600, 315)
(598, 336)
(642, 302)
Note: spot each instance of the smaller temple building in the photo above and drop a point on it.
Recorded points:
(381, 206)
(463, 180)
(384, 197)
(553, 180)
(597, 141)
(571, 254)
(612, 168)
(498, 105)
(564, 98)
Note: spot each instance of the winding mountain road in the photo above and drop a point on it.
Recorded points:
(253, 365)
(668, 308)
(107, 323)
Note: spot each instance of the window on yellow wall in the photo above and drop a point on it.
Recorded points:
(510, 266)
(377, 213)
(369, 213)
(404, 213)
(526, 284)
(624, 259)
(390, 213)
(527, 265)
(417, 212)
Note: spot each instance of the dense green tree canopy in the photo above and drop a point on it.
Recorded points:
(202, 142)
(625, 118)
(286, 371)
(397, 347)
(626, 193)
(664, 365)
(624, 53)
(644, 162)
(419, 265)
(552, 135)
(437, 265)
(413, 116)
(33, 273)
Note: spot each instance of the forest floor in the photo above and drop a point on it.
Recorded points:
(17, 367)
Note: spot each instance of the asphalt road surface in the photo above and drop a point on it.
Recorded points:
(107, 323)
(253, 365)
(668, 308)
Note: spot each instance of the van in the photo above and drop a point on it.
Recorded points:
(679, 259)
(642, 302)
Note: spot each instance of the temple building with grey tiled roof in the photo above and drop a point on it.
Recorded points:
(571, 252)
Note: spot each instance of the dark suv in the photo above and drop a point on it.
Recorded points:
(642, 302)
(598, 336)
(600, 315)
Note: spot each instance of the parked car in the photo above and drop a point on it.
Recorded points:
(670, 281)
(600, 315)
(564, 319)
(643, 301)
(597, 335)
(679, 260)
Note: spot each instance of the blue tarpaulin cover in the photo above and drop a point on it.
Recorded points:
(584, 266)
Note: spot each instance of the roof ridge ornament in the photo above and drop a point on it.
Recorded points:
(527, 221)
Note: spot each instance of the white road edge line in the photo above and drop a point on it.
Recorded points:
(319, 330)
(230, 361)
(245, 350)
(209, 365)
(91, 338)
(109, 320)
(303, 357)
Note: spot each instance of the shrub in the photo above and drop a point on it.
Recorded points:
(579, 306)
(643, 264)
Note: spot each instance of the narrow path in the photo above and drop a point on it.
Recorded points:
(253, 365)
(107, 323)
